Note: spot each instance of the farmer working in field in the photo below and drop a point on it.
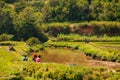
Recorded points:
(38, 58)
(86, 40)
(34, 57)
(25, 58)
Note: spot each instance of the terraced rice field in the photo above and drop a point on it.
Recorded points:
(60, 59)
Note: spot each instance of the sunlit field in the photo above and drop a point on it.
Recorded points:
(60, 60)
(59, 39)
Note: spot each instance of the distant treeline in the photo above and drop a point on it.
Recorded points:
(24, 18)
(68, 10)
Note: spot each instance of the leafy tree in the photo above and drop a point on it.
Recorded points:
(2, 4)
(96, 8)
(55, 10)
(83, 10)
(29, 23)
(7, 21)
(89, 1)
(19, 6)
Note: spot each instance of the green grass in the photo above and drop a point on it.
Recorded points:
(78, 38)
(61, 72)
(6, 61)
(19, 46)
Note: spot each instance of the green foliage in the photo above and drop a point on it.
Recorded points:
(10, 1)
(77, 38)
(7, 20)
(35, 44)
(28, 24)
(62, 72)
(7, 43)
(24, 19)
(37, 48)
(6, 37)
(79, 10)
(33, 41)
(20, 47)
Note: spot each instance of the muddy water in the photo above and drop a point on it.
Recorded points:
(63, 56)
(69, 57)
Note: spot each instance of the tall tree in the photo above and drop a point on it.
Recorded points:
(29, 23)
(6, 20)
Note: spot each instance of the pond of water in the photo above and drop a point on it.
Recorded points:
(63, 56)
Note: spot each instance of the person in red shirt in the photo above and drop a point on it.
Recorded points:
(34, 57)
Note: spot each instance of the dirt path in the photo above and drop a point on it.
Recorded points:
(108, 64)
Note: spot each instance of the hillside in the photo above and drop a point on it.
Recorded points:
(25, 19)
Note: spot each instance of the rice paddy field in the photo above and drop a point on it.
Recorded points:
(72, 39)
(97, 50)
(61, 61)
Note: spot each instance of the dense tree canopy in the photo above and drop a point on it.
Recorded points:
(69, 10)
(23, 18)
(81, 10)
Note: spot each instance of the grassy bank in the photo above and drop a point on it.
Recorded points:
(28, 71)
(78, 38)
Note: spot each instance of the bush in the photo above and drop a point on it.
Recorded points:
(54, 71)
(33, 41)
(37, 48)
(5, 37)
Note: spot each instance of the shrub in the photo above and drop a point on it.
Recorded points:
(37, 48)
(33, 41)
(5, 37)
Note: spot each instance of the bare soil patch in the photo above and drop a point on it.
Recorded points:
(107, 64)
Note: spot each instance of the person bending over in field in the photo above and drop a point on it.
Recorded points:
(34, 57)
(25, 58)
(38, 58)
(86, 40)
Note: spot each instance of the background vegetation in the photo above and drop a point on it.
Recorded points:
(24, 19)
